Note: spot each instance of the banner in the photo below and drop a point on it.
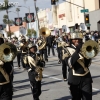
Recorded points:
(1, 27)
(30, 17)
(18, 21)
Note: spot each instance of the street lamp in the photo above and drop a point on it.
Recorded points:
(37, 21)
(29, 14)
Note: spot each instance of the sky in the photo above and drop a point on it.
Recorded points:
(42, 4)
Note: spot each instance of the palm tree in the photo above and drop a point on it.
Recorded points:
(5, 8)
(25, 1)
(6, 21)
(17, 10)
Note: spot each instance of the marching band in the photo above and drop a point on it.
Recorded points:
(74, 54)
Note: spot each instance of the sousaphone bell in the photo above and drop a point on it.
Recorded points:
(8, 52)
(90, 49)
(44, 32)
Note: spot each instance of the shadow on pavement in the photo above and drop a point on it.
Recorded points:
(52, 65)
(96, 92)
(64, 98)
(15, 72)
(51, 82)
(50, 75)
(21, 95)
(18, 88)
(20, 81)
(45, 90)
(95, 76)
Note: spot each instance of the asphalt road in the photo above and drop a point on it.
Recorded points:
(53, 86)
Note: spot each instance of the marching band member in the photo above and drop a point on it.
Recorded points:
(17, 44)
(43, 50)
(58, 39)
(6, 78)
(63, 52)
(50, 41)
(34, 66)
(23, 47)
(79, 78)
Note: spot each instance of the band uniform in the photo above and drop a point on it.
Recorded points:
(79, 78)
(34, 65)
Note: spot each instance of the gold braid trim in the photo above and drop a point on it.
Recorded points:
(6, 76)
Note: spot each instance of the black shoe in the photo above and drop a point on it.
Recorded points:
(46, 60)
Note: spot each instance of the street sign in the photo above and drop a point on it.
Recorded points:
(88, 24)
(84, 10)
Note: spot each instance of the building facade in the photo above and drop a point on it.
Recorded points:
(69, 13)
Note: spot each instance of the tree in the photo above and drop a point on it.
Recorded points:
(24, 19)
(17, 9)
(37, 9)
(25, 1)
(31, 32)
(6, 21)
(6, 7)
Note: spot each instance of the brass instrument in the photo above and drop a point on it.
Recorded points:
(90, 49)
(38, 68)
(45, 32)
(8, 52)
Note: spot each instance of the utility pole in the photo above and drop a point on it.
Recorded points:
(37, 17)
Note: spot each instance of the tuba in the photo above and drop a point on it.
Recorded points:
(90, 49)
(45, 32)
(8, 52)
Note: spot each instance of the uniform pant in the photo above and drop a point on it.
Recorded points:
(44, 51)
(52, 47)
(22, 56)
(82, 91)
(36, 89)
(6, 92)
(18, 58)
(64, 69)
(58, 51)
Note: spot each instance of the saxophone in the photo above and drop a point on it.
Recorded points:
(39, 69)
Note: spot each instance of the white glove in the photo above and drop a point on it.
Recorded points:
(1, 62)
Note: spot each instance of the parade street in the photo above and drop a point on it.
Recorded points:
(53, 86)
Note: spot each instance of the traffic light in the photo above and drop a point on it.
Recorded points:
(87, 18)
(53, 2)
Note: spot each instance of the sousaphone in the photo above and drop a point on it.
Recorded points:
(90, 49)
(44, 32)
(8, 52)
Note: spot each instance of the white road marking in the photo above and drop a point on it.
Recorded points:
(94, 89)
(52, 77)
